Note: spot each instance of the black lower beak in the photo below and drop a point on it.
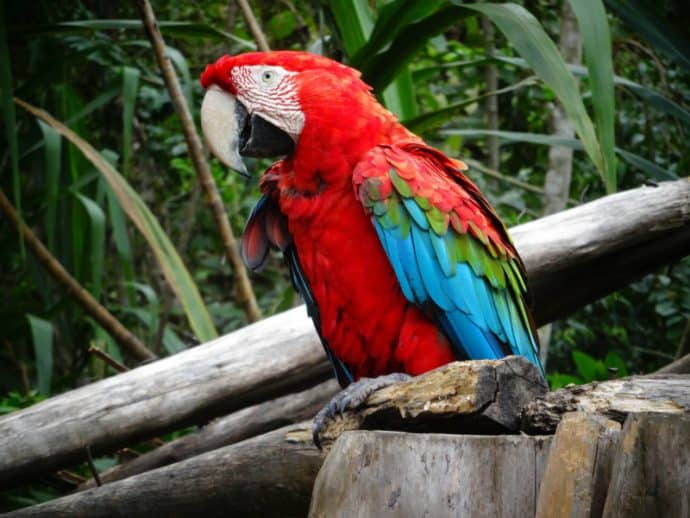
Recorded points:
(259, 138)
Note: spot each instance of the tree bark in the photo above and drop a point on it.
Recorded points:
(236, 427)
(572, 258)
(482, 396)
(269, 475)
(579, 255)
(650, 474)
(389, 474)
(259, 362)
(614, 399)
(579, 467)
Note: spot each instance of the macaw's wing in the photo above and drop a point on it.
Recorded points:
(267, 229)
(450, 252)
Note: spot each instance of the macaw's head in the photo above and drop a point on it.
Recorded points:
(264, 104)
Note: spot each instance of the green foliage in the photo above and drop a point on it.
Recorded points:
(590, 369)
(91, 67)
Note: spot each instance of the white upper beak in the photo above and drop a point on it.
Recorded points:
(219, 124)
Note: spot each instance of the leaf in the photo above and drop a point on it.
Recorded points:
(169, 260)
(653, 170)
(380, 69)
(96, 242)
(423, 122)
(42, 336)
(182, 67)
(355, 23)
(596, 38)
(53, 153)
(392, 18)
(283, 24)
(586, 366)
(558, 380)
(650, 96)
(130, 85)
(643, 18)
(529, 39)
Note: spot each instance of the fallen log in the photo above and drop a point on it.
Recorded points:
(622, 236)
(614, 399)
(599, 247)
(269, 475)
(254, 364)
(236, 427)
(400, 474)
(273, 474)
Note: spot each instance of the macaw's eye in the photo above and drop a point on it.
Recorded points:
(267, 76)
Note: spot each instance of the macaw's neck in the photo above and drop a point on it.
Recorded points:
(330, 146)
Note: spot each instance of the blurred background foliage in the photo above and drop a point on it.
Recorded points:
(90, 65)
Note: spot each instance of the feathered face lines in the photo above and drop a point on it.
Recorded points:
(271, 92)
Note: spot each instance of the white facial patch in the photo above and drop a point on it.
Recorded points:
(271, 93)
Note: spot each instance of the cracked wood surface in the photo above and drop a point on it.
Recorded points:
(400, 474)
(615, 399)
(484, 396)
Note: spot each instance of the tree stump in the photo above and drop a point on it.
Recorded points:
(651, 470)
(579, 467)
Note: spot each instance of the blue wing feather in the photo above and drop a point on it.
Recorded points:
(448, 277)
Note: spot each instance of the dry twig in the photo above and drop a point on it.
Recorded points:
(100, 314)
(245, 292)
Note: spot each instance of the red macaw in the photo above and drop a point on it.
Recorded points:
(403, 264)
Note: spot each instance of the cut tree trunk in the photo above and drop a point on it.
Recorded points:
(651, 470)
(615, 399)
(572, 258)
(400, 474)
(578, 472)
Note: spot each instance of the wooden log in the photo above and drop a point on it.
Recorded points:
(651, 471)
(484, 396)
(596, 248)
(236, 427)
(579, 467)
(269, 475)
(621, 236)
(259, 362)
(615, 399)
(400, 474)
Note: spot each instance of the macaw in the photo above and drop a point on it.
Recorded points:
(402, 263)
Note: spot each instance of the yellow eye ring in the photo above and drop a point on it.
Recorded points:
(267, 76)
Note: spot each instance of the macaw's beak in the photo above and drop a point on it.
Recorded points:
(231, 132)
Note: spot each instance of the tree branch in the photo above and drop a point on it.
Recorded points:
(100, 314)
(245, 293)
(254, 27)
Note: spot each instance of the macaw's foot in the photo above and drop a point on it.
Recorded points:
(350, 398)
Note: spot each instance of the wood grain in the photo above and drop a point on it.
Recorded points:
(615, 399)
(400, 474)
(579, 467)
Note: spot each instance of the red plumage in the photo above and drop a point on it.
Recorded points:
(365, 318)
